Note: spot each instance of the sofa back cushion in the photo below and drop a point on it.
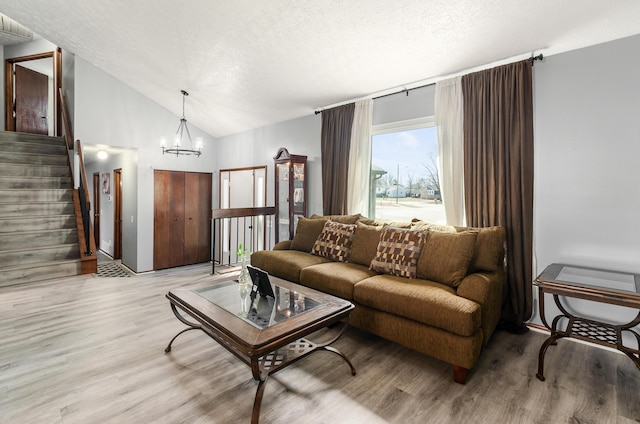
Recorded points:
(307, 232)
(365, 244)
(489, 252)
(343, 219)
(446, 256)
(334, 242)
(398, 252)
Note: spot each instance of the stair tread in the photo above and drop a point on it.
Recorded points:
(40, 264)
(66, 215)
(27, 232)
(53, 246)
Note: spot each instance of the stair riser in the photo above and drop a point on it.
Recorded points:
(17, 196)
(34, 159)
(39, 183)
(31, 148)
(55, 222)
(22, 257)
(11, 170)
(14, 241)
(30, 138)
(8, 210)
(31, 273)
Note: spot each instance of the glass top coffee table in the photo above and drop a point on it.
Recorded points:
(265, 333)
(597, 285)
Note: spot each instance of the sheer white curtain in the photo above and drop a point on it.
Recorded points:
(360, 159)
(449, 134)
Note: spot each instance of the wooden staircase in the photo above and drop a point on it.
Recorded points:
(38, 229)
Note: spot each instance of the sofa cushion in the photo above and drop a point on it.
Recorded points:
(489, 252)
(398, 251)
(285, 263)
(365, 244)
(334, 242)
(445, 257)
(307, 232)
(335, 278)
(343, 219)
(423, 301)
(418, 224)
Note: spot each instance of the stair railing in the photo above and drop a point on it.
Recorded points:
(251, 227)
(81, 195)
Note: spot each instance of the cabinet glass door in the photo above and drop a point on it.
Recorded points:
(283, 200)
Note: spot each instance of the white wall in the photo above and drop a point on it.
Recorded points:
(109, 112)
(587, 145)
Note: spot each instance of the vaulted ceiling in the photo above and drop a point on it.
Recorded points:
(250, 63)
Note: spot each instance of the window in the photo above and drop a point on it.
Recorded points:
(404, 172)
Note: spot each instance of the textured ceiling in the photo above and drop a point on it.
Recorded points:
(249, 63)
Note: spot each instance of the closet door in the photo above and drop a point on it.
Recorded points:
(197, 233)
(169, 219)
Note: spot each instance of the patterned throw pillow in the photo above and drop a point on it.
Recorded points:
(334, 242)
(398, 252)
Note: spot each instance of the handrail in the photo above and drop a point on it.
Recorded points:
(228, 220)
(81, 196)
(66, 122)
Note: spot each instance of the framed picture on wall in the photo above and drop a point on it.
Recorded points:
(106, 184)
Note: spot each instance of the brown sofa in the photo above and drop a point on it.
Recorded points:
(449, 311)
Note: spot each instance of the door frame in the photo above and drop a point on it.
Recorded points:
(96, 209)
(9, 82)
(117, 214)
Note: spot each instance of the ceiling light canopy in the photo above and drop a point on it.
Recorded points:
(177, 148)
(102, 154)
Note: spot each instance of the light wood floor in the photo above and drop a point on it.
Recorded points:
(91, 350)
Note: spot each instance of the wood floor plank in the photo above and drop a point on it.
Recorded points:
(91, 350)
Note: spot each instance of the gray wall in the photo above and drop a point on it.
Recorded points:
(109, 112)
(127, 161)
(258, 147)
(586, 161)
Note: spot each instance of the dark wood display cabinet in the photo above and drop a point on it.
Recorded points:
(291, 192)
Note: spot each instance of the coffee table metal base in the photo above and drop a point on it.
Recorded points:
(266, 365)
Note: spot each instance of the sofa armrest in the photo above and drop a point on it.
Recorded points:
(485, 288)
(282, 245)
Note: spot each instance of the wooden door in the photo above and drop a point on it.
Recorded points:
(117, 214)
(96, 208)
(168, 228)
(32, 98)
(197, 233)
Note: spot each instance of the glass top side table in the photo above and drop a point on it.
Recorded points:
(597, 285)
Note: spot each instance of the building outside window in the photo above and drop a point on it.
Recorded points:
(404, 172)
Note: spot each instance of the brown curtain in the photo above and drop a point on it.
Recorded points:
(498, 172)
(335, 145)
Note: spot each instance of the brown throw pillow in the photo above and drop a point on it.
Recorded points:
(398, 252)
(307, 232)
(365, 244)
(334, 241)
(446, 256)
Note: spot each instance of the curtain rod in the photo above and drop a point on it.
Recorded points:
(406, 90)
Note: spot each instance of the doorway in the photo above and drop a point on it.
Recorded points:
(117, 214)
(31, 95)
(96, 208)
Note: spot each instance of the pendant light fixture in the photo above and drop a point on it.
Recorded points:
(177, 148)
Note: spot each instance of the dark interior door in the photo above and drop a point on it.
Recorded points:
(168, 224)
(197, 231)
(96, 208)
(117, 214)
(32, 99)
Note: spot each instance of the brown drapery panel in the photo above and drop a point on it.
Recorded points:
(498, 168)
(335, 145)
